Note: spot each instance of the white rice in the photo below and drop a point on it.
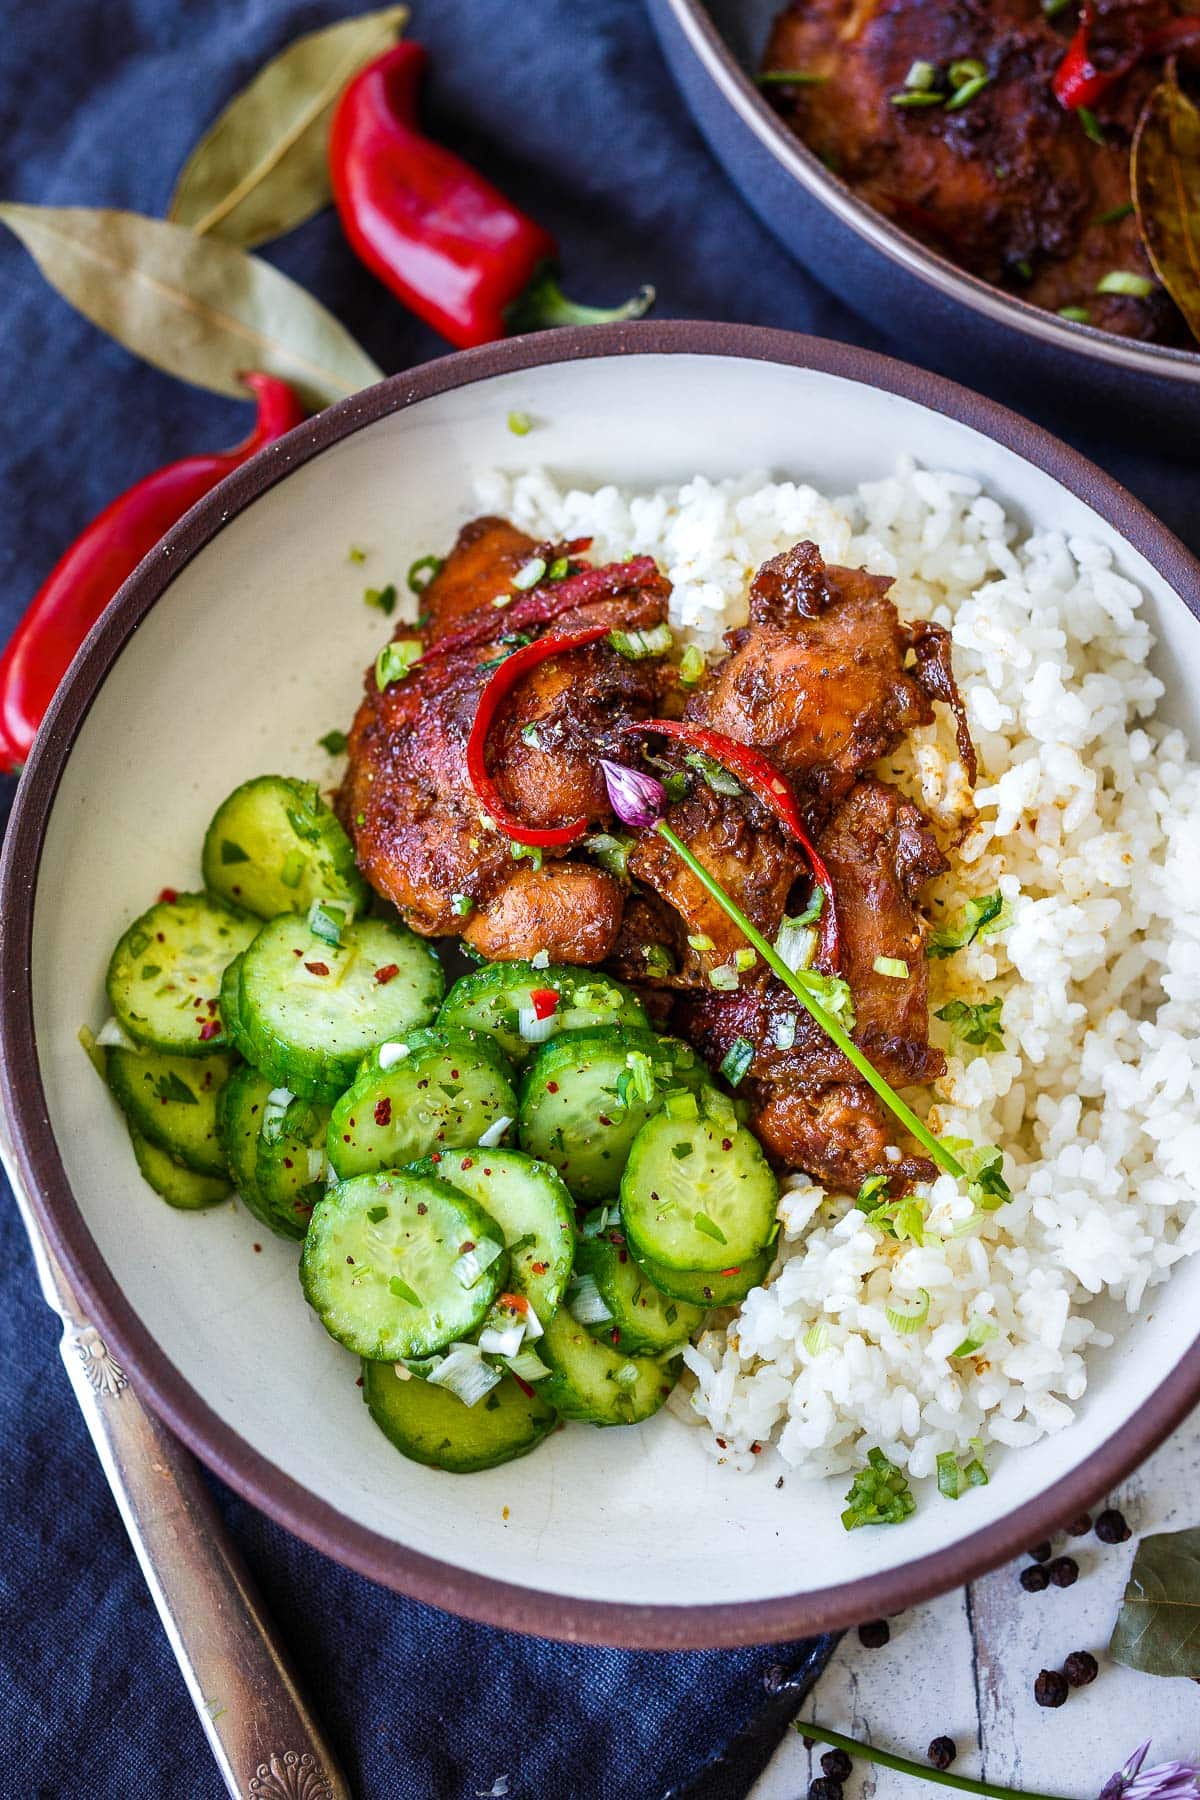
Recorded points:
(1089, 822)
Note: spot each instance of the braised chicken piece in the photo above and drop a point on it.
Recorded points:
(817, 679)
(407, 801)
(1009, 183)
(812, 1109)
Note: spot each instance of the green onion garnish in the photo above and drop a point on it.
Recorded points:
(815, 1338)
(334, 742)
(1124, 281)
(1091, 125)
(717, 778)
(948, 1478)
(916, 97)
(558, 568)
(974, 1024)
(638, 645)
(703, 1223)
(906, 1316)
(395, 661)
(356, 554)
(1052, 8)
(980, 918)
(968, 69)
(520, 424)
(967, 91)
(1078, 315)
(737, 1059)
(382, 599)
(610, 851)
(422, 573)
(879, 1495)
(1114, 215)
(893, 966)
(790, 78)
(529, 574)
(461, 904)
(922, 76)
(979, 1332)
(692, 665)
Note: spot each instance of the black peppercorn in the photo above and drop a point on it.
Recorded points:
(1050, 1688)
(874, 1634)
(1080, 1668)
(823, 1789)
(1063, 1571)
(1111, 1527)
(1042, 1552)
(1079, 1527)
(1034, 1579)
(837, 1765)
(942, 1752)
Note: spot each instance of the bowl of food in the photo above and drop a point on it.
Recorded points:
(1002, 189)
(723, 976)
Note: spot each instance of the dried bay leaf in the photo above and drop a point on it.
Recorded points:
(1158, 1626)
(1166, 191)
(262, 168)
(199, 308)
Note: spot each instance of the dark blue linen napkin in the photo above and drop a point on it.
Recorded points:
(570, 109)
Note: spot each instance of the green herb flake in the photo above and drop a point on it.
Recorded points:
(150, 970)
(422, 572)
(334, 741)
(949, 1479)
(703, 1223)
(981, 918)
(1091, 125)
(983, 1165)
(461, 904)
(879, 1495)
(1115, 214)
(526, 853)
(170, 1087)
(232, 853)
(675, 786)
(977, 1024)
(717, 778)
(382, 599)
(377, 1214)
(356, 554)
(1077, 315)
(520, 424)
(1124, 281)
(872, 1193)
(402, 1291)
(681, 1152)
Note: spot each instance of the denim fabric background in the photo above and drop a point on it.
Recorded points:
(566, 103)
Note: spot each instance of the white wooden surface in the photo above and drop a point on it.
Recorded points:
(964, 1666)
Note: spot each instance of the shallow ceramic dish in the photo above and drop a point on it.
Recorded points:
(942, 316)
(231, 650)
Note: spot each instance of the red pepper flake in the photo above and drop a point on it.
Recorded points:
(615, 1334)
(258, 1249)
(359, 1382)
(552, 1087)
(211, 1028)
(514, 1302)
(721, 1444)
(544, 1002)
(727, 1143)
(528, 1393)
(539, 1268)
(350, 1260)
(468, 1162)
(317, 968)
(388, 973)
(288, 1163)
(168, 897)
(297, 953)
(465, 1249)
(422, 1209)
(756, 1449)
(735, 1271)
(383, 1111)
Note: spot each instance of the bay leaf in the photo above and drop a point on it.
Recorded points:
(1158, 1626)
(1166, 192)
(199, 308)
(262, 168)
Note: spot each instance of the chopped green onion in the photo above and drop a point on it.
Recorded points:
(676, 785)
(1052, 8)
(735, 1064)
(815, 1338)
(585, 1303)
(717, 778)
(812, 912)
(974, 1024)
(980, 918)
(610, 851)
(681, 1104)
(422, 573)
(356, 554)
(520, 424)
(658, 959)
(529, 574)
(872, 1192)
(796, 944)
(636, 1079)
(917, 97)
(724, 978)
(703, 1223)
(784, 1031)
(395, 661)
(719, 1108)
(921, 77)
(502, 600)
(529, 735)
(1124, 281)
(382, 599)
(979, 1332)
(906, 1316)
(1091, 124)
(700, 942)
(879, 1495)
(967, 92)
(968, 68)
(1115, 214)
(334, 742)
(1024, 269)
(949, 1479)
(893, 966)
(1078, 315)
(527, 1365)
(468, 1267)
(692, 665)
(976, 1471)
(744, 959)
(324, 923)
(461, 904)
(832, 993)
(983, 1169)
(790, 78)
(638, 645)
(402, 1291)
(558, 568)
(526, 852)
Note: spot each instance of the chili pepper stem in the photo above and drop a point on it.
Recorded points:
(902, 1764)
(794, 981)
(543, 305)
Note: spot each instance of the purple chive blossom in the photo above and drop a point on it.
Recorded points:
(638, 800)
(1166, 1781)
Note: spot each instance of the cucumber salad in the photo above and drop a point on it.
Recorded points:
(516, 1200)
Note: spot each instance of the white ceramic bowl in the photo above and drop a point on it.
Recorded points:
(233, 648)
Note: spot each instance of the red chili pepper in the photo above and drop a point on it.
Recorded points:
(549, 601)
(501, 683)
(544, 1002)
(443, 239)
(768, 786)
(86, 577)
(1079, 82)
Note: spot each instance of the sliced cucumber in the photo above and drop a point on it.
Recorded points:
(289, 1168)
(587, 1096)
(164, 979)
(229, 1005)
(392, 1264)
(723, 1287)
(533, 1209)
(181, 1188)
(498, 999)
(431, 1425)
(429, 1091)
(590, 1380)
(642, 1320)
(309, 1010)
(172, 1100)
(697, 1195)
(274, 846)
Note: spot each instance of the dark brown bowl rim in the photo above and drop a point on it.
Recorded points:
(40, 1168)
(995, 305)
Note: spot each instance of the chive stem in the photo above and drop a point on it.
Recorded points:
(829, 1025)
(921, 1770)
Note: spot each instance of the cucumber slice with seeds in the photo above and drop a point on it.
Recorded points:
(697, 1195)
(429, 1091)
(181, 1188)
(430, 1425)
(723, 1287)
(274, 846)
(532, 1207)
(591, 1380)
(642, 1320)
(498, 997)
(587, 1096)
(172, 1101)
(275, 1155)
(165, 975)
(399, 1265)
(309, 1010)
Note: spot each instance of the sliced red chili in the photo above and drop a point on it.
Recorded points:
(1080, 81)
(769, 787)
(388, 973)
(549, 600)
(544, 1002)
(500, 684)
